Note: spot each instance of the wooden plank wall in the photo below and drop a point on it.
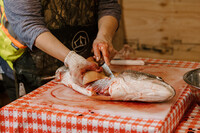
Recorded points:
(168, 29)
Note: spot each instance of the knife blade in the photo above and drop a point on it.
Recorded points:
(107, 70)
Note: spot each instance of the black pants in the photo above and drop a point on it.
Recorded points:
(9, 85)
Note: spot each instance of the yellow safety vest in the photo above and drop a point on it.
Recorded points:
(7, 51)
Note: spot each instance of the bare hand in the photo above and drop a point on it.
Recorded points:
(103, 48)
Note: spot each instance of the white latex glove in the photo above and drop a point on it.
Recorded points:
(78, 66)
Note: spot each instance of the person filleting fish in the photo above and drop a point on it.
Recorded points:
(47, 42)
(50, 34)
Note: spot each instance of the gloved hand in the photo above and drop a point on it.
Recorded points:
(78, 66)
(103, 48)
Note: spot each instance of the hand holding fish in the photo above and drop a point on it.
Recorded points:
(78, 66)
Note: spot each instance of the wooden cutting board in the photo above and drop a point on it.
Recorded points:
(63, 97)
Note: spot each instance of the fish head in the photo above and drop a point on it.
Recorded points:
(138, 86)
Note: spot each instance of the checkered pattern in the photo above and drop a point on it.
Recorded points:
(20, 116)
(191, 121)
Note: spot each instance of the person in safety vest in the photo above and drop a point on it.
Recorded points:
(38, 36)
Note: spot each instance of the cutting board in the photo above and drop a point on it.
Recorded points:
(63, 97)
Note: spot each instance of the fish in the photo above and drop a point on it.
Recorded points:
(128, 85)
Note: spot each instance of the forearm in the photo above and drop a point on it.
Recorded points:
(48, 43)
(107, 27)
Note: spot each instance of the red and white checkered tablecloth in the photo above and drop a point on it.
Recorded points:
(190, 123)
(20, 116)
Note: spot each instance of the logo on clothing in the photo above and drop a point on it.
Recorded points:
(80, 41)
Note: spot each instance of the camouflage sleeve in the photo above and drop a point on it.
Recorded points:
(109, 8)
(25, 19)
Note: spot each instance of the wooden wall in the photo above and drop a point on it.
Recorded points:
(168, 29)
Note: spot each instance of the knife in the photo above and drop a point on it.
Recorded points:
(126, 62)
(106, 68)
(137, 62)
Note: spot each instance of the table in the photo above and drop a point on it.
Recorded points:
(21, 116)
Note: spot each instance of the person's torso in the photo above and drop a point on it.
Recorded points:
(74, 23)
(61, 13)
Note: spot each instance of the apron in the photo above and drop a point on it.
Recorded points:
(74, 23)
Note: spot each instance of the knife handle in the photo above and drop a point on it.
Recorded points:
(101, 62)
(127, 62)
